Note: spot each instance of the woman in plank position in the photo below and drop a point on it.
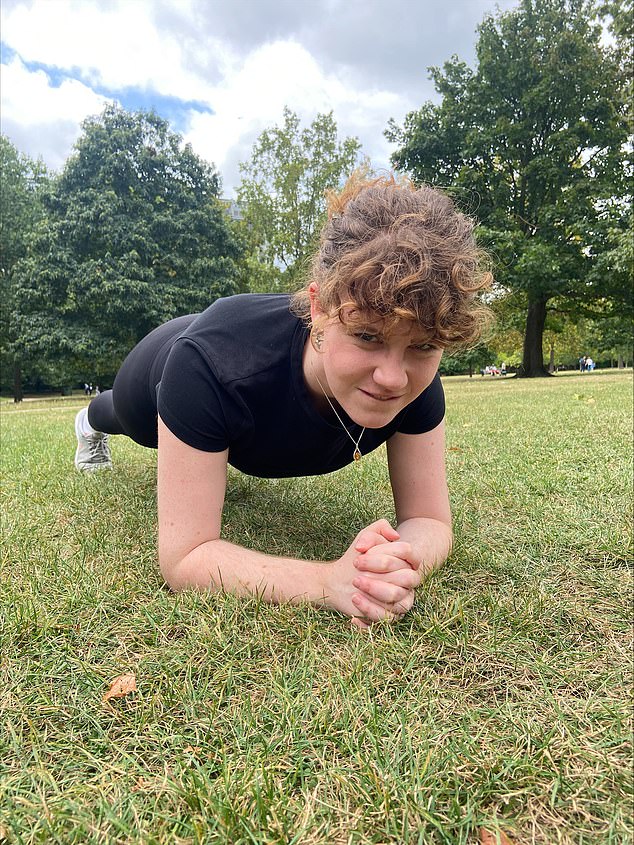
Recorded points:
(282, 386)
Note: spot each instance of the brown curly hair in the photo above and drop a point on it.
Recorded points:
(402, 253)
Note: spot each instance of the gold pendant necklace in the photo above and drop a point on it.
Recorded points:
(356, 455)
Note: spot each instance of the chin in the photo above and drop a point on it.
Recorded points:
(377, 419)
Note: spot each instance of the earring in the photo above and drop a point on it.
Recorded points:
(317, 338)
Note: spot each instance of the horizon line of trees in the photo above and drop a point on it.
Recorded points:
(534, 141)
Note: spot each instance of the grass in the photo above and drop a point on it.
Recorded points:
(502, 701)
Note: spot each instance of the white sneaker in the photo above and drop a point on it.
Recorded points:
(93, 451)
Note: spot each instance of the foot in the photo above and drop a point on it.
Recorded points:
(93, 451)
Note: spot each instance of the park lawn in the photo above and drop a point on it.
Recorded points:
(501, 702)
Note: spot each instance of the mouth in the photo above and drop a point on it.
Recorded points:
(381, 397)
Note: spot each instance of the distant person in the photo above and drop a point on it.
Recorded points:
(282, 386)
(503, 369)
(589, 364)
(582, 363)
(86, 389)
(97, 390)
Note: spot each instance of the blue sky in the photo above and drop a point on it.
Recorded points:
(221, 72)
(174, 109)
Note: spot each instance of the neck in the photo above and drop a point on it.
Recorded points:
(313, 372)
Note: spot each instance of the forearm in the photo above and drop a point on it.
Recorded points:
(431, 541)
(219, 565)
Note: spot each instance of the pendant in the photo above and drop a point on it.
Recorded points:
(356, 454)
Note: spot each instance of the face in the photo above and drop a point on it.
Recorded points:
(372, 375)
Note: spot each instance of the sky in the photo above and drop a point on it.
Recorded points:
(221, 71)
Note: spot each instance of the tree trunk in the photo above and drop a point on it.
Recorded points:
(17, 382)
(551, 363)
(533, 357)
(621, 364)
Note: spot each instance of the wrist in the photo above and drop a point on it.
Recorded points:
(322, 588)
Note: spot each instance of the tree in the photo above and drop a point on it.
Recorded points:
(134, 235)
(533, 141)
(282, 193)
(21, 182)
(468, 361)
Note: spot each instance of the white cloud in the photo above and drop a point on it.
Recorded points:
(42, 119)
(114, 45)
(29, 98)
(253, 98)
(244, 59)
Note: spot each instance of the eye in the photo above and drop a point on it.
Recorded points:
(366, 337)
(423, 347)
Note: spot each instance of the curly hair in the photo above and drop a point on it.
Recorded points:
(392, 250)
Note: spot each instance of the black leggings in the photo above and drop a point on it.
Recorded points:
(130, 407)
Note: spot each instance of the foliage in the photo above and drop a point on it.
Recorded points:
(533, 142)
(21, 184)
(133, 236)
(282, 193)
(21, 180)
(620, 24)
(470, 361)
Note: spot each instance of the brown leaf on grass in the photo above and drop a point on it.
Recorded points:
(454, 449)
(121, 686)
(488, 838)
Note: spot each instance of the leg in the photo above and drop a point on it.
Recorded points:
(130, 407)
(102, 416)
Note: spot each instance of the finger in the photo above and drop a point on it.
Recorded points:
(387, 558)
(404, 606)
(405, 579)
(383, 566)
(410, 579)
(378, 532)
(357, 622)
(381, 591)
(367, 540)
(369, 610)
(398, 609)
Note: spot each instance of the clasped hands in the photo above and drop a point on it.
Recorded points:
(376, 576)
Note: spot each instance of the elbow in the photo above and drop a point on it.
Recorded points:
(187, 571)
(172, 569)
(169, 570)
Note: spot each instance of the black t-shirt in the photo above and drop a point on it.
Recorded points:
(233, 380)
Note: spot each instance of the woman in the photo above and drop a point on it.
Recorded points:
(280, 386)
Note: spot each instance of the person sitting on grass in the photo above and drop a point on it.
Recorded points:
(280, 386)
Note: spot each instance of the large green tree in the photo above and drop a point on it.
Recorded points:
(133, 235)
(533, 143)
(21, 183)
(282, 193)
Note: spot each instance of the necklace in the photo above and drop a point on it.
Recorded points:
(357, 452)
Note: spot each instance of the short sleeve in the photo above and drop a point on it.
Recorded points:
(425, 412)
(192, 402)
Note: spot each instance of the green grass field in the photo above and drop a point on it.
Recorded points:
(502, 701)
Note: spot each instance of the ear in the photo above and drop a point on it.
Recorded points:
(315, 307)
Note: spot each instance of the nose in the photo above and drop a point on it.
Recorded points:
(390, 373)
